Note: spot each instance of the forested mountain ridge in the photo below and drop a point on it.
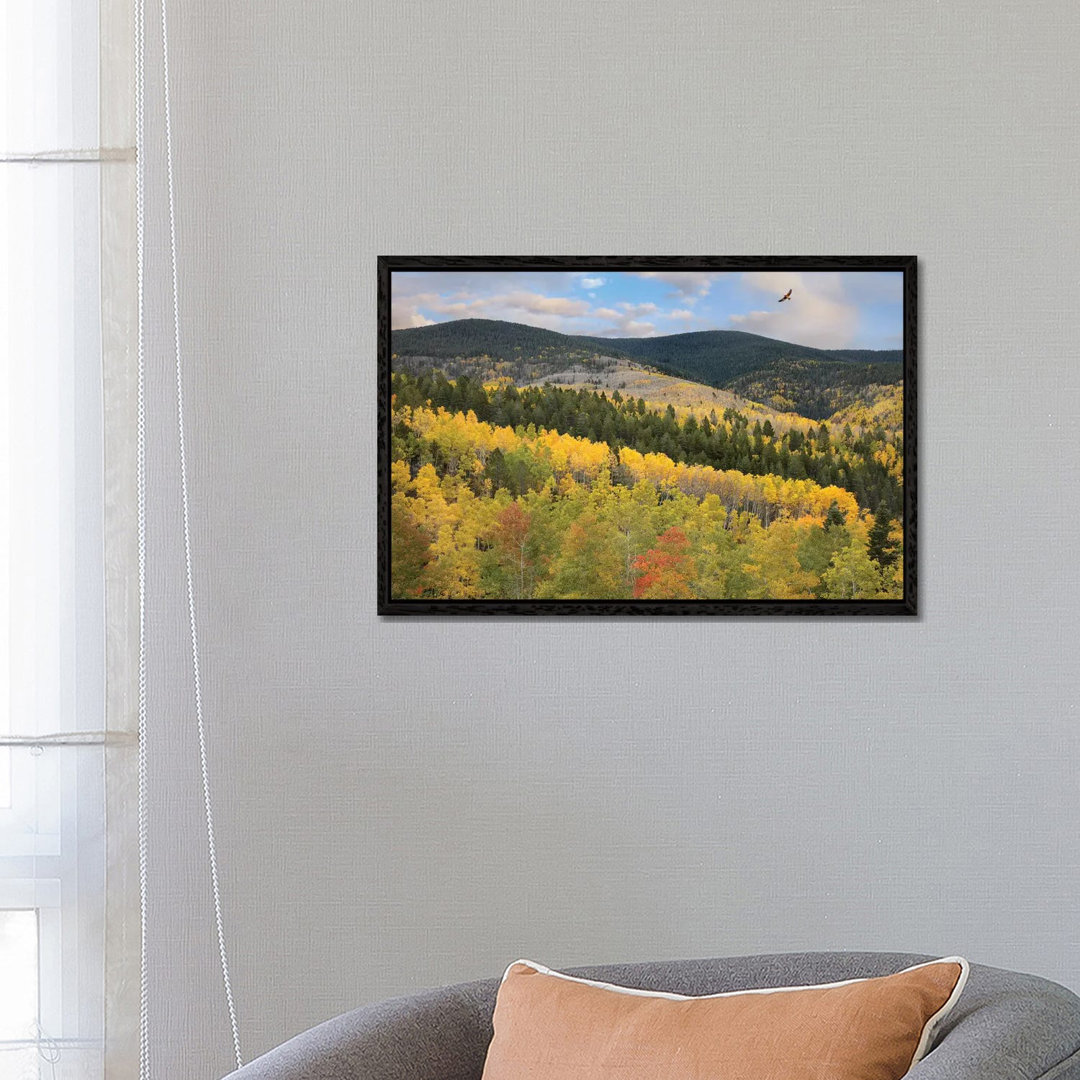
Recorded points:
(817, 389)
(782, 375)
(716, 357)
(495, 338)
(710, 356)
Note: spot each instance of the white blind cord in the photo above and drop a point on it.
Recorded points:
(140, 454)
(197, 680)
(140, 199)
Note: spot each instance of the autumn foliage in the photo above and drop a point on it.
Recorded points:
(487, 510)
(665, 571)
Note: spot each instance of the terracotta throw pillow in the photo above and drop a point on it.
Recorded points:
(550, 1026)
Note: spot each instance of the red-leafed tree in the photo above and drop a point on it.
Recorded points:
(665, 571)
(512, 535)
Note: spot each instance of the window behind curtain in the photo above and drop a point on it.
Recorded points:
(52, 606)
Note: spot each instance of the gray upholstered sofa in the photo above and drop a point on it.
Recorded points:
(1006, 1026)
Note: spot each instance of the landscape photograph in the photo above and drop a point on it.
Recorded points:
(646, 436)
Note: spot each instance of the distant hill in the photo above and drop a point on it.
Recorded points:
(788, 377)
(486, 337)
(716, 357)
(488, 348)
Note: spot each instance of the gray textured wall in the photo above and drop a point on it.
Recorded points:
(409, 803)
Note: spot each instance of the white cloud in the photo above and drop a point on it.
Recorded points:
(634, 310)
(539, 304)
(547, 311)
(817, 313)
(688, 283)
(592, 282)
(406, 320)
(472, 309)
(682, 314)
(624, 325)
(404, 313)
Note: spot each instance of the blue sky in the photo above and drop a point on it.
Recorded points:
(859, 310)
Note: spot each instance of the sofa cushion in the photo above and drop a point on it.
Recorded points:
(552, 1026)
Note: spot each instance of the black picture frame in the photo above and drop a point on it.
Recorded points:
(907, 606)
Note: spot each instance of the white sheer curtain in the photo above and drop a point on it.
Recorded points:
(54, 197)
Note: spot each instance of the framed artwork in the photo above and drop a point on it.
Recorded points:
(644, 436)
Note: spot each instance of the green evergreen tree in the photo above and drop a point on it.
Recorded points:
(880, 547)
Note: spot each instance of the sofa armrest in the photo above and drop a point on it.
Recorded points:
(1007, 1026)
(441, 1034)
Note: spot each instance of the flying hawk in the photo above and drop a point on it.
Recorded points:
(786, 296)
